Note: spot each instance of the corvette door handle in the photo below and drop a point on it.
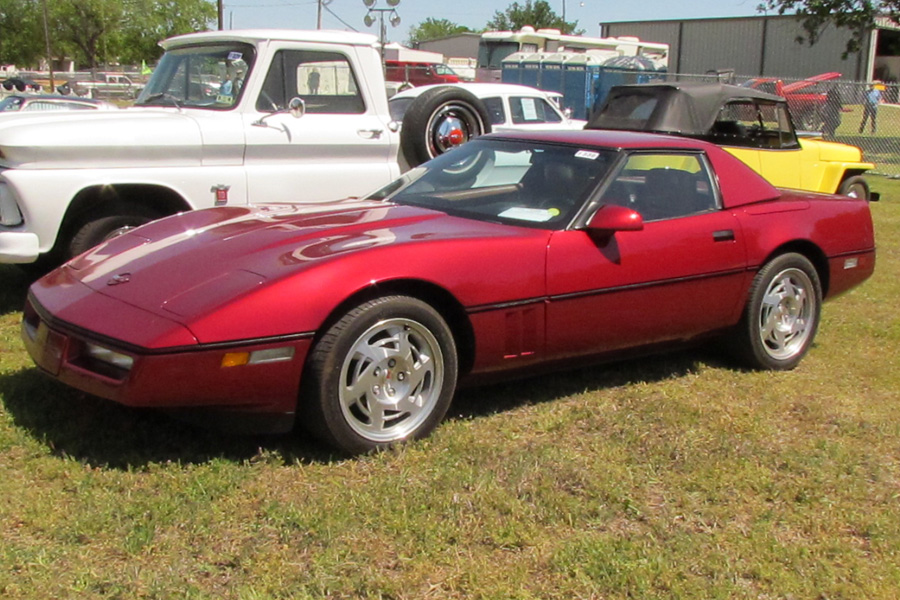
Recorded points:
(724, 235)
(370, 134)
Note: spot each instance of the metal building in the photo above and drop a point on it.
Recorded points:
(766, 46)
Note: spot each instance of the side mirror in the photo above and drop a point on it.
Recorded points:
(297, 107)
(611, 218)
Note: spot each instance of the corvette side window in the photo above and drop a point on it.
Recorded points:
(663, 186)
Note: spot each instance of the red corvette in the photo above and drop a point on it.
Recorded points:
(358, 318)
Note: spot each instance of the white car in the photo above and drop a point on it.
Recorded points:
(511, 107)
(42, 102)
(446, 123)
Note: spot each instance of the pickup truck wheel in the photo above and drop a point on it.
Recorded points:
(383, 374)
(439, 120)
(93, 232)
(855, 187)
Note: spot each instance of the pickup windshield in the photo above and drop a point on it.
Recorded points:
(209, 76)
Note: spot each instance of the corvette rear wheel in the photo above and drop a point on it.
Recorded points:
(384, 373)
(782, 313)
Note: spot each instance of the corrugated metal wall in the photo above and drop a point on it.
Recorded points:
(751, 46)
(464, 45)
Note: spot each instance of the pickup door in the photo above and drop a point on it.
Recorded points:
(340, 147)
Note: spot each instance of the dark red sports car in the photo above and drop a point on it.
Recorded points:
(358, 318)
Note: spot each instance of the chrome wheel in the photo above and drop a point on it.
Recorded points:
(787, 314)
(452, 125)
(391, 380)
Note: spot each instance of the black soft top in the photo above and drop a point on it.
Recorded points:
(687, 108)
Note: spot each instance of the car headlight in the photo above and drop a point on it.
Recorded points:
(110, 357)
(10, 216)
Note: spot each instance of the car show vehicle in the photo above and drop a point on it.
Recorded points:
(106, 85)
(806, 98)
(418, 72)
(45, 102)
(226, 116)
(754, 126)
(517, 252)
(509, 107)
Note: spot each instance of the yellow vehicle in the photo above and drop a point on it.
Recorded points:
(754, 126)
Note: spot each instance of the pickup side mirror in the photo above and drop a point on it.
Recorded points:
(296, 108)
(612, 218)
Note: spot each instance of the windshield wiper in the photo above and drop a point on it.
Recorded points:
(162, 96)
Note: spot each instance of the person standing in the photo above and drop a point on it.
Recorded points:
(831, 113)
(870, 106)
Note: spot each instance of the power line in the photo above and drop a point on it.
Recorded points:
(333, 14)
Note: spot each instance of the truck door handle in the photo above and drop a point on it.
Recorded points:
(370, 134)
(724, 235)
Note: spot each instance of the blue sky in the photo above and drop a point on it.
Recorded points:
(301, 14)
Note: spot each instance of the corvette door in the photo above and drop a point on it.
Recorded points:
(681, 276)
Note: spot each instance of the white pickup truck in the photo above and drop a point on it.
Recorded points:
(276, 116)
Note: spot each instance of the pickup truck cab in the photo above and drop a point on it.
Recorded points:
(272, 115)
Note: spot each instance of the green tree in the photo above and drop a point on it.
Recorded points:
(96, 31)
(432, 29)
(21, 32)
(816, 15)
(87, 30)
(149, 21)
(537, 14)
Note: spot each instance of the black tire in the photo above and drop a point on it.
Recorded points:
(439, 120)
(855, 187)
(347, 392)
(777, 335)
(91, 232)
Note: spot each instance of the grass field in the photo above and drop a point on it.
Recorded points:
(677, 476)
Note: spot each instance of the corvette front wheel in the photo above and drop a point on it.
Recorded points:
(782, 313)
(383, 374)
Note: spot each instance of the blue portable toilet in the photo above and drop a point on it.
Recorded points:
(579, 73)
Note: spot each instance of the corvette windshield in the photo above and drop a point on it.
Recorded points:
(210, 77)
(517, 183)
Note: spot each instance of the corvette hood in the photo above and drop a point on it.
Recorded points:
(189, 265)
(88, 139)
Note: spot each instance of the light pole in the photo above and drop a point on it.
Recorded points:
(369, 20)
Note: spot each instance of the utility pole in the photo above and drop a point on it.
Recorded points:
(47, 41)
(221, 9)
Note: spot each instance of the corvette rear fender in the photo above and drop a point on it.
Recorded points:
(812, 252)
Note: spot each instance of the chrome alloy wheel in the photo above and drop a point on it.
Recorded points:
(391, 380)
(787, 314)
(452, 125)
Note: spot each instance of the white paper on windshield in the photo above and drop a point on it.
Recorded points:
(529, 109)
(589, 154)
(535, 215)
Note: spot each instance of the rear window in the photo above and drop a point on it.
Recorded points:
(632, 112)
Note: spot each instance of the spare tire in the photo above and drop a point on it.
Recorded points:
(439, 120)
